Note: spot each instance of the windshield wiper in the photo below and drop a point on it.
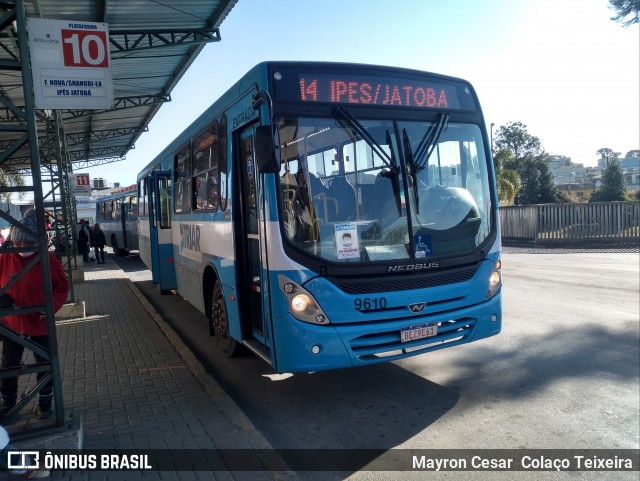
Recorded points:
(429, 141)
(362, 132)
(411, 167)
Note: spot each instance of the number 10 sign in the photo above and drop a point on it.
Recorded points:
(70, 64)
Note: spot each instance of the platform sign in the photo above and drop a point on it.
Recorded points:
(70, 64)
(80, 184)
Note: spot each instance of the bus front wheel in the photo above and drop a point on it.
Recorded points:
(221, 322)
(116, 249)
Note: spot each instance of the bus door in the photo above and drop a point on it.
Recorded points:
(124, 214)
(248, 223)
(163, 270)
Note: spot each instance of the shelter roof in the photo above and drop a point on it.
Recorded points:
(152, 44)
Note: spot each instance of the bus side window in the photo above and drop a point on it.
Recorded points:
(133, 210)
(164, 195)
(182, 201)
(224, 172)
(141, 198)
(205, 168)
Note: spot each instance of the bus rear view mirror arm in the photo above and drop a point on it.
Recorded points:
(265, 152)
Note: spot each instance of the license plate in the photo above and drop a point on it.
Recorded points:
(418, 332)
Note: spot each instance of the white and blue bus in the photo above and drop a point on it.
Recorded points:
(329, 215)
(117, 215)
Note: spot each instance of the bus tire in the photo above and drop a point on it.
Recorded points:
(116, 249)
(227, 344)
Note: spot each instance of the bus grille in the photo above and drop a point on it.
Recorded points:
(387, 344)
(402, 283)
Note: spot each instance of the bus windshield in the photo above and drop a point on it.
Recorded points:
(365, 190)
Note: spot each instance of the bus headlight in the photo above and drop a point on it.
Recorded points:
(495, 281)
(301, 303)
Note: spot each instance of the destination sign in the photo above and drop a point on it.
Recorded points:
(375, 89)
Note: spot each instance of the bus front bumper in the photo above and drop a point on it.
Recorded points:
(304, 347)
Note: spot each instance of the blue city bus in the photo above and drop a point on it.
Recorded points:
(328, 215)
(117, 215)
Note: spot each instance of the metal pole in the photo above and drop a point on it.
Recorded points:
(492, 124)
(34, 152)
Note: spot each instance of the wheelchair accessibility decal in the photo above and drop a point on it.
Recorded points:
(423, 245)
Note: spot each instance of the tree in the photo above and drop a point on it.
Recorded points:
(507, 179)
(612, 188)
(522, 152)
(633, 154)
(537, 182)
(564, 198)
(509, 184)
(10, 179)
(606, 153)
(514, 136)
(627, 11)
(502, 159)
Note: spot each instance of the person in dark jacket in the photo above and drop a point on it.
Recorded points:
(84, 236)
(27, 291)
(98, 241)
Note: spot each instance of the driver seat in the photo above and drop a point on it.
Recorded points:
(345, 195)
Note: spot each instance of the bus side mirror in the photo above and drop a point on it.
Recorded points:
(265, 151)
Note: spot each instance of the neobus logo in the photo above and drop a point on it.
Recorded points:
(190, 237)
(417, 307)
(414, 267)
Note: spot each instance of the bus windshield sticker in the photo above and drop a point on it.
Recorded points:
(423, 245)
(347, 243)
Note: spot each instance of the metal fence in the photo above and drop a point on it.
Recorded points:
(562, 223)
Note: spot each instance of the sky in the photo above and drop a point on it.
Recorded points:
(561, 67)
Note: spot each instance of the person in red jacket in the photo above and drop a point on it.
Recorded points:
(27, 291)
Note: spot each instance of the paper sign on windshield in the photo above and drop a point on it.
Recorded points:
(347, 241)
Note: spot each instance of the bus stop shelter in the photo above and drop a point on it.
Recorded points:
(151, 44)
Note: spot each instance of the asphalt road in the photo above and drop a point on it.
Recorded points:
(564, 373)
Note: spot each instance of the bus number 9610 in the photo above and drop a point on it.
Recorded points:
(370, 303)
